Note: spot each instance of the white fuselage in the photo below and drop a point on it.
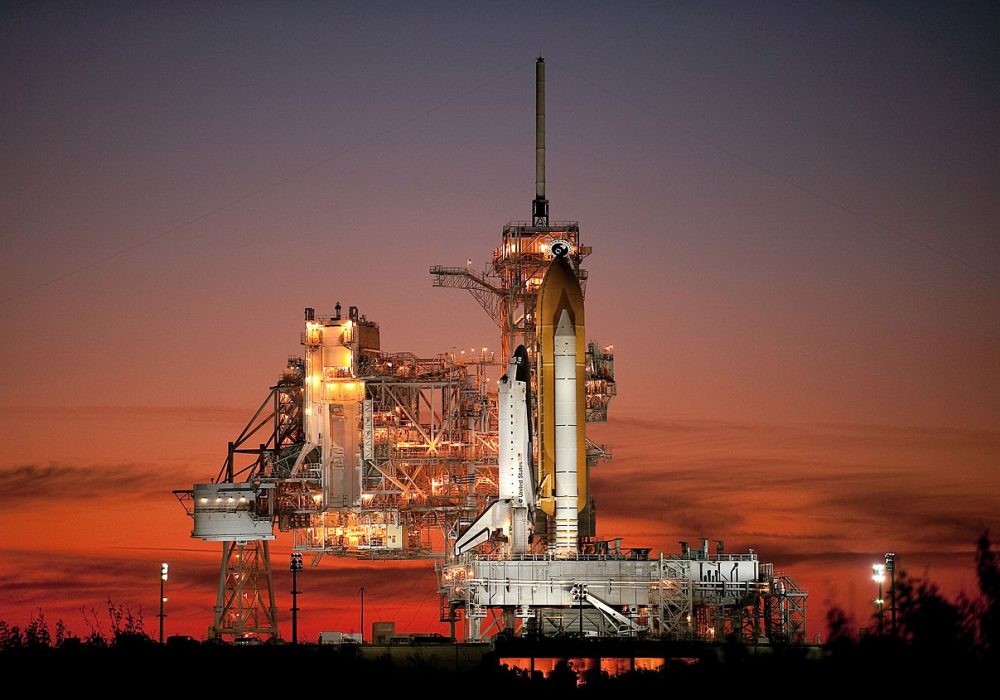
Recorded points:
(513, 511)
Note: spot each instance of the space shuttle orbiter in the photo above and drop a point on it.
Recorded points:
(514, 510)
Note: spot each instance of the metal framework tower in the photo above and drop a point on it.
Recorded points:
(245, 595)
(428, 436)
(507, 288)
(241, 607)
(671, 596)
(785, 610)
(422, 464)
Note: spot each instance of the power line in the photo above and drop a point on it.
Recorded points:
(784, 179)
(261, 190)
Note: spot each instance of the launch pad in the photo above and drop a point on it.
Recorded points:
(696, 595)
(364, 453)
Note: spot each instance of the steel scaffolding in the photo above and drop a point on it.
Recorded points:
(241, 607)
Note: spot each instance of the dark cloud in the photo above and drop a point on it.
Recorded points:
(26, 484)
(923, 518)
(199, 414)
(937, 434)
(85, 579)
(804, 492)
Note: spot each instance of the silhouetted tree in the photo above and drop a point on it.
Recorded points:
(10, 637)
(96, 635)
(5, 636)
(126, 626)
(36, 632)
(928, 620)
(839, 627)
(988, 573)
(62, 632)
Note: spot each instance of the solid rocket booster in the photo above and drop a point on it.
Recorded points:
(513, 511)
(562, 401)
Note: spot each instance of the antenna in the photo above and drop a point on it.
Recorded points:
(540, 206)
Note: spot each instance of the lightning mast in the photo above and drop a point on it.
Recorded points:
(540, 207)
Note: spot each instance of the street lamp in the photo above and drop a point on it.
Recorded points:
(878, 576)
(163, 598)
(295, 567)
(363, 617)
(579, 592)
(890, 566)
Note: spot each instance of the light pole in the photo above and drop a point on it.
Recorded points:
(579, 592)
(163, 598)
(878, 576)
(295, 567)
(890, 566)
(363, 615)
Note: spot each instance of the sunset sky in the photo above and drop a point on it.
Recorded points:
(793, 210)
